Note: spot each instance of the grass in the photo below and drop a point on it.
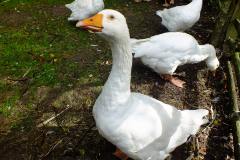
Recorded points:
(9, 4)
(39, 44)
(8, 105)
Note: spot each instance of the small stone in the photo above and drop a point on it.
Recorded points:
(90, 75)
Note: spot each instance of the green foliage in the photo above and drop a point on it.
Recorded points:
(229, 15)
(232, 33)
(224, 5)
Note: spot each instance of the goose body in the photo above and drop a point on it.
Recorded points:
(165, 52)
(181, 18)
(142, 127)
(82, 9)
(145, 128)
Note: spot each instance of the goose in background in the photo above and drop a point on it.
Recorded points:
(165, 52)
(181, 18)
(82, 9)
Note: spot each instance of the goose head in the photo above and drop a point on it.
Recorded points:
(212, 63)
(109, 24)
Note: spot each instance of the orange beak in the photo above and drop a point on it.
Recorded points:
(93, 23)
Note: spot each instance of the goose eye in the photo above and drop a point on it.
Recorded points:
(111, 17)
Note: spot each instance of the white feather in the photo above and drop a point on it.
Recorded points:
(181, 18)
(165, 52)
(82, 9)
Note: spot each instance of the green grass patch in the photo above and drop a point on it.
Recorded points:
(9, 4)
(9, 104)
(38, 43)
(37, 49)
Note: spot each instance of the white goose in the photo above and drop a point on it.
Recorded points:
(181, 18)
(165, 52)
(140, 126)
(82, 9)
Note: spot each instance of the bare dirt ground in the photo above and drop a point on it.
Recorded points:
(73, 135)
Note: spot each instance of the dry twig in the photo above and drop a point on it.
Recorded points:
(23, 78)
(52, 148)
(52, 118)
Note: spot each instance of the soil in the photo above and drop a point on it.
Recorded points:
(73, 135)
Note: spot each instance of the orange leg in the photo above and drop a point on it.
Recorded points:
(118, 153)
(177, 82)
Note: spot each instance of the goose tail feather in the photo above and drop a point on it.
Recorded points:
(195, 118)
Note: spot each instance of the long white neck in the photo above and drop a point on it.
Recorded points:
(196, 4)
(209, 50)
(98, 3)
(116, 90)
